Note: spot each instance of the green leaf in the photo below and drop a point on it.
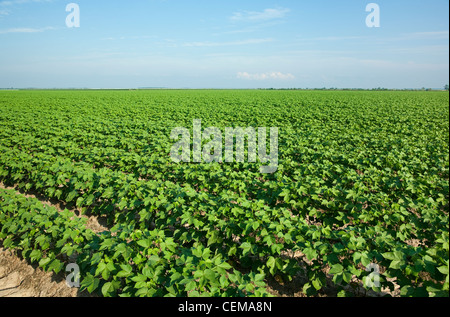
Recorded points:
(246, 247)
(336, 269)
(225, 266)
(232, 251)
(443, 269)
(365, 260)
(108, 289)
(35, 255)
(250, 288)
(317, 284)
(44, 262)
(146, 243)
(80, 202)
(224, 281)
(126, 270)
(142, 292)
(71, 195)
(90, 283)
(56, 265)
(309, 290)
(396, 264)
(191, 285)
(347, 277)
(210, 275)
(108, 193)
(175, 276)
(271, 264)
(152, 260)
(139, 278)
(310, 253)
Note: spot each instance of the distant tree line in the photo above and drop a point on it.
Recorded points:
(446, 87)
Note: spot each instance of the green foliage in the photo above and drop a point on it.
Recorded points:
(362, 178)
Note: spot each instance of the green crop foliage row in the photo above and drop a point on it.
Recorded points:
(122, 261)
(362, 180)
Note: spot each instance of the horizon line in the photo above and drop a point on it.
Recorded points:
(212, 88)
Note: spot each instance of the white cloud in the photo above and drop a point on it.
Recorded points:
(337, 38)
(258, 16)
(6, 5)
(442, 35)
(134, 37)
(26, 30)
(265, 76)
(235, 43)
(13, 2)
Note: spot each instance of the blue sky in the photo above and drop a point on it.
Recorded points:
(224, 44)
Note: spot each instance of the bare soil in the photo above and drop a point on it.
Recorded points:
(20, 279)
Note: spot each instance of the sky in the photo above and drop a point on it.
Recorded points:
(224, 44)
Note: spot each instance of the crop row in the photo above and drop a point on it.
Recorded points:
(249, 233)
(121, 261)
